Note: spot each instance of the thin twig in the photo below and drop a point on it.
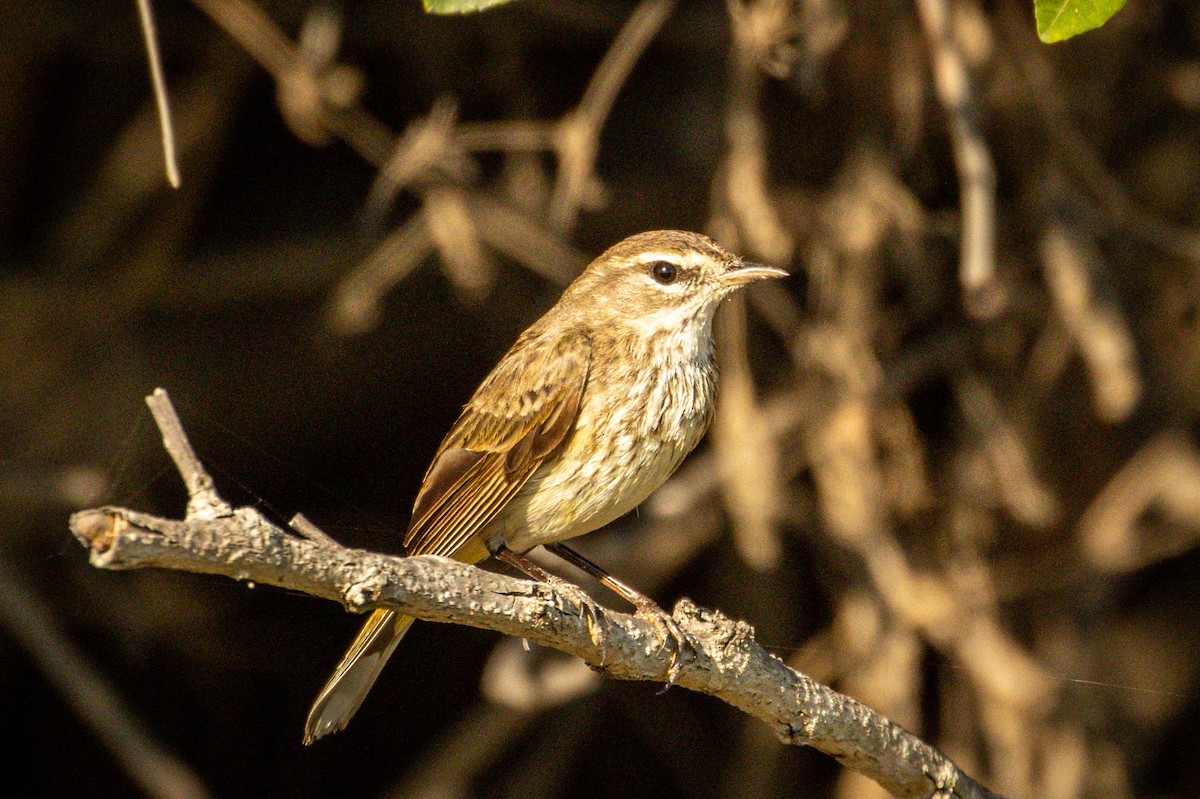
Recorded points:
(161, 101)
(203, 499)
(456, 234)
(301, 524)
(505, 135)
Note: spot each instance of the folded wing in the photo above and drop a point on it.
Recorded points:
(521, 414)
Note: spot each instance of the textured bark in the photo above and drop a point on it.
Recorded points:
(726, 661)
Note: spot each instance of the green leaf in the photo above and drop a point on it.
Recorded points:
(460, 6)
(1058, 20)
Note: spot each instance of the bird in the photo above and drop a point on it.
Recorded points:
(595, 405)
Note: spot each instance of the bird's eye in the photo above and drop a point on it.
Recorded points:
(664, 271)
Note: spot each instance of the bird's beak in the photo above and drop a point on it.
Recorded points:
(746, 272)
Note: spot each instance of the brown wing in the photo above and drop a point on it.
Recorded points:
(518, 416)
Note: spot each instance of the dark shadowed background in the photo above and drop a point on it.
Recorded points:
(968, 496)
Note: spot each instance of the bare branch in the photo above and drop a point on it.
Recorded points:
(203, 500)
(1093, 321)
(302, 525)
(159, 82)
(976, 172)
(1163, 476)
(577, 136)
(728, 663)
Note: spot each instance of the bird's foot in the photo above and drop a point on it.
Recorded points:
(580, 598)
(682, 649)
(587, 606)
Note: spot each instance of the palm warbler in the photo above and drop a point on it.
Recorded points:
(590, 411)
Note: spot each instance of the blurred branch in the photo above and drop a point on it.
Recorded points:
(456, 234)
(158, 772)
(513, 233)
(1163, 476)
(1018, 487)
(747, 453)
(949, 605)
(159, 82)
(726, 661)
(976, 172)
(1093, 321)
(746, 218)
(318, 97)
(577, 135)
(426, 150)
(439, 142)
(357, 301)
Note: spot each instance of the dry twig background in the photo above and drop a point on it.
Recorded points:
(954, 473)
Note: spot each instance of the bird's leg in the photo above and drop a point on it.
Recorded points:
(536, 572)
(646, 607)
(525, 566)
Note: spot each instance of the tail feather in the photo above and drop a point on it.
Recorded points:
(356, 673)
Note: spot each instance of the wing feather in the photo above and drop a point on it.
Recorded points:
(452, 524)
(519, 416)
(468, 514)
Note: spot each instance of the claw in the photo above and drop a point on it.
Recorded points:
(587, 608)
(592, 620)
(674, 639)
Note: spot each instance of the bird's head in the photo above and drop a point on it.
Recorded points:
(663, 279)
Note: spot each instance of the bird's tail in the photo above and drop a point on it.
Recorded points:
(356, 673)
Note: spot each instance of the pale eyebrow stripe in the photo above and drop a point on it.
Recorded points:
(673, 257)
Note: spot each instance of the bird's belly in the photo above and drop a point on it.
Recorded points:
(623, 449)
